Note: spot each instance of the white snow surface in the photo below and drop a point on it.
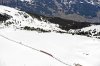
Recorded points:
(69, 49)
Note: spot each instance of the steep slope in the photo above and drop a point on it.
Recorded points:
(22, 20)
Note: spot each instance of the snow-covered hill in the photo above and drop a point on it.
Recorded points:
(91, 31)
(22, 20)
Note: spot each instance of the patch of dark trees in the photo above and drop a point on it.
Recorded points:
(40, 30)
(4, 17)
(89, 33)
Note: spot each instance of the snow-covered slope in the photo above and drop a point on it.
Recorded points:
(72, 50)
(93, 31)
(20, 19)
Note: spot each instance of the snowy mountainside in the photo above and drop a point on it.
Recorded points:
(63, 23)
(20, 19)
(74, 27)
(17, 17)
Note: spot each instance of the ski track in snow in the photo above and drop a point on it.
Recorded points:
(5, 33)
(35, 50)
